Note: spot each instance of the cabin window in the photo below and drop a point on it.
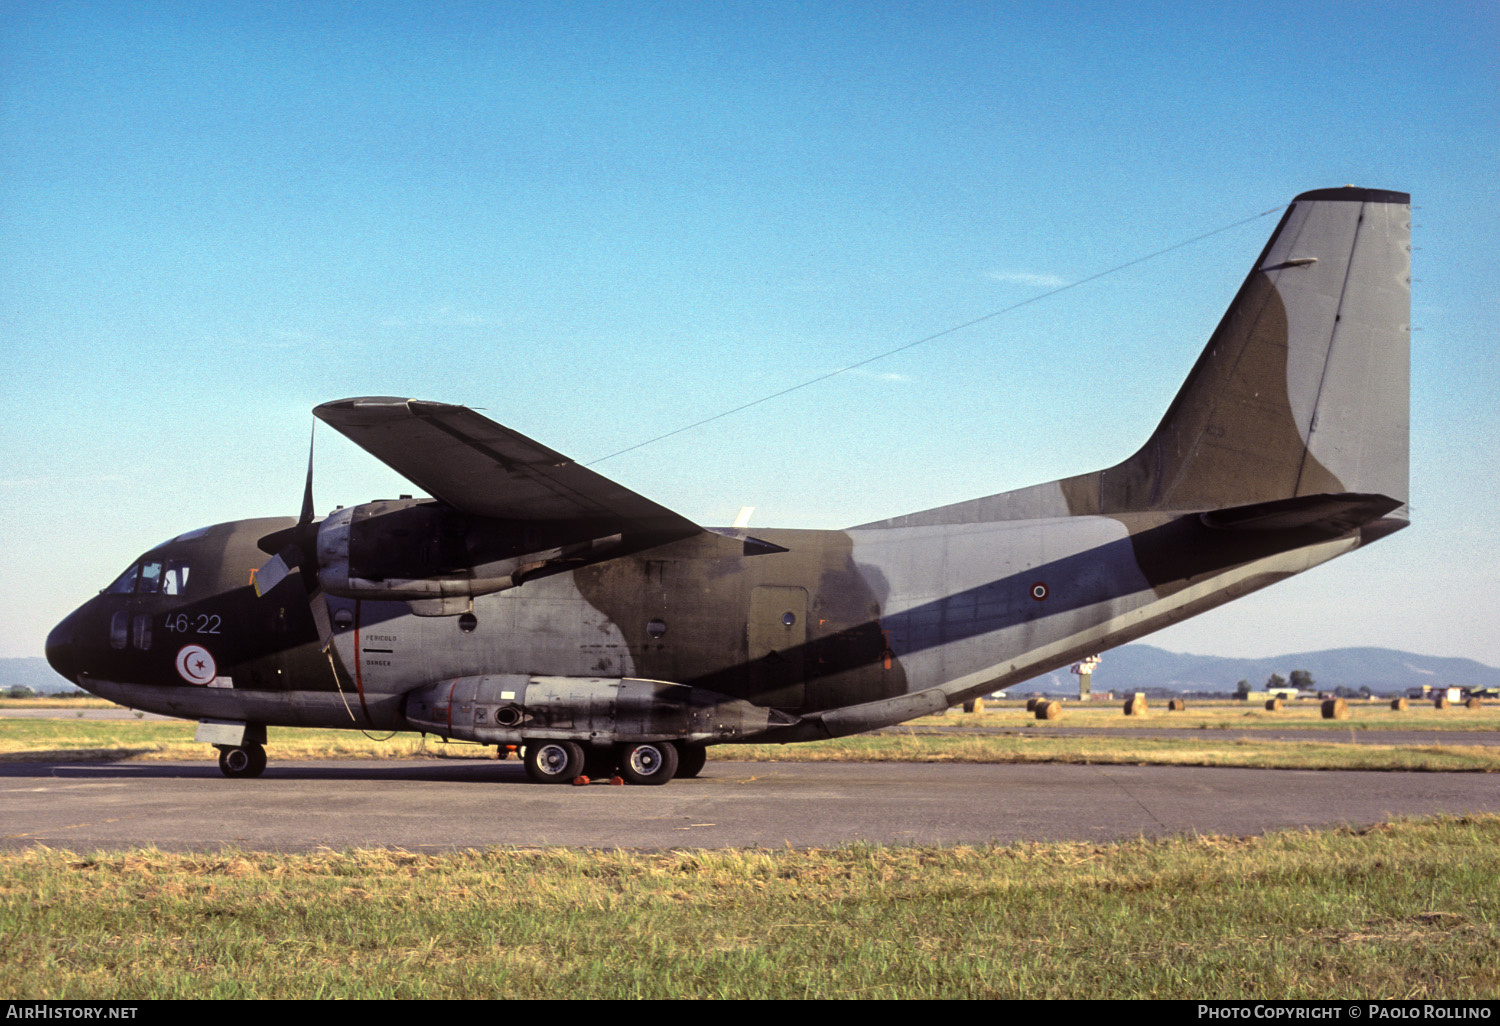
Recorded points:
(117, 626)
(142, 631)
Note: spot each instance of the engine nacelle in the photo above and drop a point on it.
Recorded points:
(438, 558)
(515, 708)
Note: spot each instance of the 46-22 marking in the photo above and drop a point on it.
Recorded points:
(202, 623)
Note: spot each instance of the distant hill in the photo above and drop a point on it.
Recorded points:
(33, 673)
(1138, 667)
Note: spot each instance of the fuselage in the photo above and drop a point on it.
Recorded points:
(864, 618)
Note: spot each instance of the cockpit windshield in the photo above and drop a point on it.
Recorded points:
(124, 584)
(152, 577)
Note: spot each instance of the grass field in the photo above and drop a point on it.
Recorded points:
(72, 738)
(1405, 910)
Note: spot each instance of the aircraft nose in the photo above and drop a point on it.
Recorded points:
(60, 652)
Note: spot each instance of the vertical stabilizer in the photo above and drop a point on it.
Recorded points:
(1303, 388)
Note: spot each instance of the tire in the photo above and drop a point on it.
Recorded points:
(242, 761)
(690, 760)
(648, 762)
(553, 762)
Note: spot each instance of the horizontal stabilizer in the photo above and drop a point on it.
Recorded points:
(752, 546)
(1335, 514)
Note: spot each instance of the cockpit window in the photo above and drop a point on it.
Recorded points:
(175, 581)
(149, 583)
(124, 584)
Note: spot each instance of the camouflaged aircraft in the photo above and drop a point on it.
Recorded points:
(531, 602)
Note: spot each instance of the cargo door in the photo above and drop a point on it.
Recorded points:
(777, 634)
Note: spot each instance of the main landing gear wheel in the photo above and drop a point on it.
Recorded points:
(553, 762)
(690, 760)
(242, 760)
(648, 762)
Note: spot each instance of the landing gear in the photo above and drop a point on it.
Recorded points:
(553, 762)
(648, 762)
(242, 760)
(690, 760)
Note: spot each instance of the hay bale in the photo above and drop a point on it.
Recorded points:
(1399, 704)
(976, 706)
(1335, 709)
(1177, 705)
(1135, 705)
(1046, 710)
(1440, 702)
(1031, 704)
(1273, 705)
(1473, 703)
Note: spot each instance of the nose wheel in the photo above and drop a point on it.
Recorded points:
(242, 760)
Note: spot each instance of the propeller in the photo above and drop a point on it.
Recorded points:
(296, 548)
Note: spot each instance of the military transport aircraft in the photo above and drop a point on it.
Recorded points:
(531, 602)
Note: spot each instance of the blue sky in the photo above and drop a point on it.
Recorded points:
(600, 222)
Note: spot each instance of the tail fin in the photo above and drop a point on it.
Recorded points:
(1301, 391)
(1303, 388)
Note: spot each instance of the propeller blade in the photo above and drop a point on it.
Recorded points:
(317, 602)
(307, 496)
(293, 546)
(276, 570)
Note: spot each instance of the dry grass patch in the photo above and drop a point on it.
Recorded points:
(1169, 751)
(58, 739)
(1223, 715)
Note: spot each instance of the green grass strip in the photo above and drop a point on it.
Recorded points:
(1405, 910)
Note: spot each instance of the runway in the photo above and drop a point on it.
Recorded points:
(443, 805)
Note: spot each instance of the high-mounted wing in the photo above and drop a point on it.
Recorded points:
(477, 466)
